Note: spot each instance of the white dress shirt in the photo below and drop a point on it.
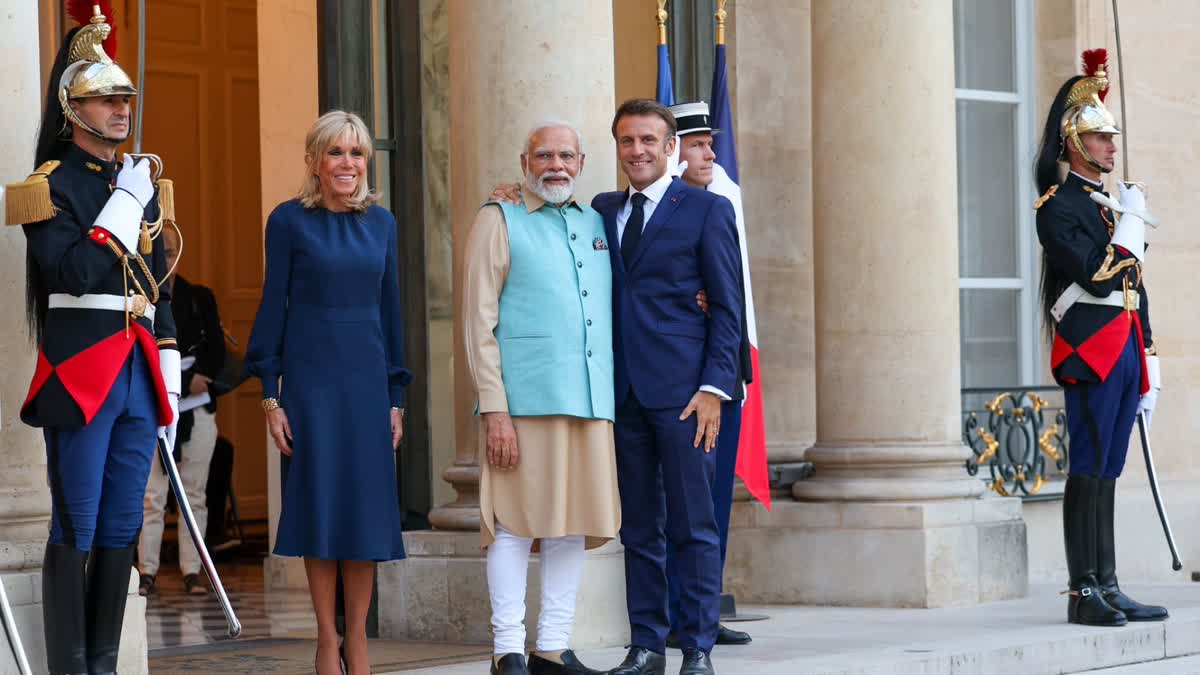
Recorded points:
(654, 194)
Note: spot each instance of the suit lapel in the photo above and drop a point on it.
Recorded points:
(662, 213)
(609, 212)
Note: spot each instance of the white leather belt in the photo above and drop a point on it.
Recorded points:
(1075, 293)
(137, 305)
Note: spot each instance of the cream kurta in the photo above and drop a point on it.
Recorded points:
(565, 481)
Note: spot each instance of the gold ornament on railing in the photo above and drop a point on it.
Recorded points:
(992, 444)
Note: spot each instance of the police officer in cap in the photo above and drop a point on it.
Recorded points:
(107, 379)
(1097, 309)
(696, 159)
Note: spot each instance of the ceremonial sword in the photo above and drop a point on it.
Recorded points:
(14, 636)
(185, 512)
(1142, 422)
(1144, 432)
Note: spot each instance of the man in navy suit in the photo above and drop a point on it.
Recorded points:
(673, 368)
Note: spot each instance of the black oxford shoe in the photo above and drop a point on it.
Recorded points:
(696, 662)
(641, 661)
(570, 665)
(728, 636)
(510, 664)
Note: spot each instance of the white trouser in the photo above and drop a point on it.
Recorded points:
(193, 471)
(562, 569)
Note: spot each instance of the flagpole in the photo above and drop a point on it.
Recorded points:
(720, 16)
(662, 22)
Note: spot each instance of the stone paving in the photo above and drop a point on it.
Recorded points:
(1018, 637)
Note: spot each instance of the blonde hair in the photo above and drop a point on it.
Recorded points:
(326, 131)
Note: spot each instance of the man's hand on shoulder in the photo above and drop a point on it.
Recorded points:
(502, 450)
(707, 407)
(507, 192)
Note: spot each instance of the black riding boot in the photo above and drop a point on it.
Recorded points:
(63, 575)
(1086, 604)
(107, 593)
(1106, 556)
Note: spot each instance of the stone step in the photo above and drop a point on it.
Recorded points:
(1187, 665)
(1028, 636)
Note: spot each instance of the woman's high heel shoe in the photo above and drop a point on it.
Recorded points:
(341, 659)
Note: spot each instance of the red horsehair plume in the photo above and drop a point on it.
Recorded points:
(1096, 60)
(81, 12)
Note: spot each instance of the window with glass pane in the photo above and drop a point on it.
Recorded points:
(992, 72)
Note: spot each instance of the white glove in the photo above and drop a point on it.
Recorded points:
(135, 177)
(168, 363)
(1150, 398)
(122, 213)
(1130, 233)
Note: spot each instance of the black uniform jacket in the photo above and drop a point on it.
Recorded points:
(200, 335)
(83, 350)
(1075, 232)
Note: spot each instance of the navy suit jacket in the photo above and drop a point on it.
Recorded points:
(664, 347)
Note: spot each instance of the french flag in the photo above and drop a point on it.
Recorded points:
(752, 446)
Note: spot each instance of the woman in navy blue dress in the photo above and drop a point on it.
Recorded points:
(329, 326)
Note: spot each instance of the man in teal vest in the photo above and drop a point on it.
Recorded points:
(538, 330)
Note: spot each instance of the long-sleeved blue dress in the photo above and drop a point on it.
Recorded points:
(330, 324)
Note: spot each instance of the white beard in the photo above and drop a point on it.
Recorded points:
(551, 194)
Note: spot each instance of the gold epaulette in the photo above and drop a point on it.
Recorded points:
(29, 200)
(166, 198)
(1045, 198)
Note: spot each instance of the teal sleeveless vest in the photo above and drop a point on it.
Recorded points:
(555, 326)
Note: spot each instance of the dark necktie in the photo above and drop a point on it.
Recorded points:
(633, 229)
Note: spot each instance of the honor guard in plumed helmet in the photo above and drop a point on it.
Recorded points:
(1085, 111)
(91, 72)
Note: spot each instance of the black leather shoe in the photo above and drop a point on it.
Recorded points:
(696, 662)
(641, 661)
(510, 664)
(107, 592)
(570, 665)
(1106, 560)
(727, 636)
(64, 583)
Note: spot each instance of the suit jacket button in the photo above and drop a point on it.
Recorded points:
(579, 264)
(589, 322)
(572, 236)
(589, 353)
(585, 294)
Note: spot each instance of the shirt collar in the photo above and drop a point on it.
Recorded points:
(655, 191)
(1088, 181)
(534, 202)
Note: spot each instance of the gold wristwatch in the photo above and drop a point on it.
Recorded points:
(270, 404)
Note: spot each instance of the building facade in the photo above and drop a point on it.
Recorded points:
(885, 153)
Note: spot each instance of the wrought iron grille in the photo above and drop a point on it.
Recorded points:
(1018, 435)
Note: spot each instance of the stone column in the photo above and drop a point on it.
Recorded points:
(512, 65)
(772, 42)
(891, 518)
(24, 498)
